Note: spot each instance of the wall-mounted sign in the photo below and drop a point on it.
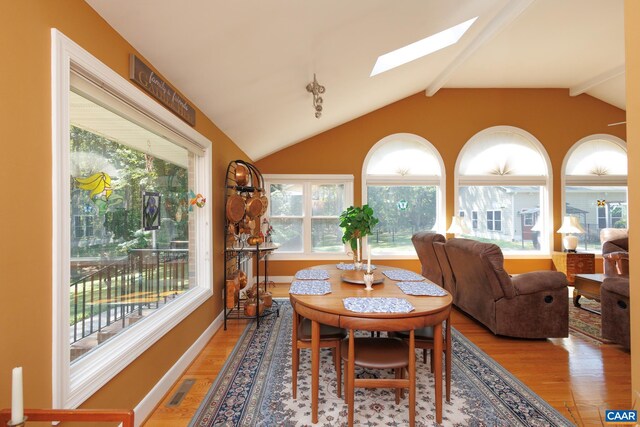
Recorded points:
(140, 73)
(151, 210)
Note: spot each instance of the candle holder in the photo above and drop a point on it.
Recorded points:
(20, 423)
(357, 266)
(368, 281)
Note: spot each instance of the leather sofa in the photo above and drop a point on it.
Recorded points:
(614, 291)
(423, 243)
(529, 305)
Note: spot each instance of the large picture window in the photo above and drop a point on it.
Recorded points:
(130, 259)
(404, 184)
(503, 173)
(304, 212)
(595, 187)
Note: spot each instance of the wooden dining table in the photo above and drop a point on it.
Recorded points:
(329, 309)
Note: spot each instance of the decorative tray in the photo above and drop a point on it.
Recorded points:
(351, 276)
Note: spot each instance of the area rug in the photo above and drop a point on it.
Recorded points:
(254, 389)
(585, 323)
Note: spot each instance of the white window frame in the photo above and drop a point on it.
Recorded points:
(598, 181)
(546, 197)
(474, 220)
(307, 181)
(410, 180)
(72, 385)
(493, 220)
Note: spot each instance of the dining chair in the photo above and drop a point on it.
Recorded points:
(424, 340)
(330, 337)
(380, 353)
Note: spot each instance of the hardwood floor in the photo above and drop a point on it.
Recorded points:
(576, 376)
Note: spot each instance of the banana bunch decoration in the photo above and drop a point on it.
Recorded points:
(98, 183)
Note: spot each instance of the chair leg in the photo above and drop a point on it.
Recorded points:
(338, 366)
(295, 356)
(447, 358)
(424, 356)
(432, 360)
(398, 372)
(351, 376)
(412, 379)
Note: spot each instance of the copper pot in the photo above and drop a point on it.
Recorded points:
(235, 208)
(241, 174)
(254, 206)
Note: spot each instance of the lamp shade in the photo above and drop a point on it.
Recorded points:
(458, 226)
(571, 225)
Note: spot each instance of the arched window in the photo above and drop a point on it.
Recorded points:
(503, 192)
(595, 186)
(403, 181)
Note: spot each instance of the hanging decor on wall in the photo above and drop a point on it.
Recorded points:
(196, 199)
(151, 210)
(140, 73)
(316, 90)
(99, 184)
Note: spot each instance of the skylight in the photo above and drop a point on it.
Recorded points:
(421, 48)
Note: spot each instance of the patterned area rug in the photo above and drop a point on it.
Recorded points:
(585, 323)
(254, 389)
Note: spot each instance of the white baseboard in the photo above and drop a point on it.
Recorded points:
(146, 406)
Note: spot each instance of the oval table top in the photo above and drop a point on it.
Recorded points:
(329, 308)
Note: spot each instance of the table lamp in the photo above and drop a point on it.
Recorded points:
(458, 226)
(570, 226)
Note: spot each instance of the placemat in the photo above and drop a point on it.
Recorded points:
(312, 274)
(403, 275)
(377, 305)
(343, 266)
(421, 288)
(310, 287)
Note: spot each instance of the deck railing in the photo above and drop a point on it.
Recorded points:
(144, 279)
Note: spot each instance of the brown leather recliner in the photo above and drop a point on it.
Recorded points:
(616, 315)
(423, 243)
(529, 305)
(614, 291)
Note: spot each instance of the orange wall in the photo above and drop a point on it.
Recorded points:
(632, 50)
(25, 217)
(448, 120)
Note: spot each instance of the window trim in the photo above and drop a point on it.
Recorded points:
(73, 385)
(546, 192)
(307, 180)
(393, 180)
(597, 181)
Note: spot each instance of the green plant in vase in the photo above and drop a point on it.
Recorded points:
(357, 222)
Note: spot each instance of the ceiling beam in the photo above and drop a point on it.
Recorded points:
(597, 80)
(505, 16)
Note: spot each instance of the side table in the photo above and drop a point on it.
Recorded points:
(571, 263)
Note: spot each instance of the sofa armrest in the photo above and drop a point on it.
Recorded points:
(538, 281)
(616, 285)
(616, 263)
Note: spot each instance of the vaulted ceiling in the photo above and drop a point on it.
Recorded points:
(246, 63)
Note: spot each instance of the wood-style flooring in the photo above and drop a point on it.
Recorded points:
(576, 376)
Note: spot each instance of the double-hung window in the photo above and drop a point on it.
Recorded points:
(503, 173)
(304, 213)
(595, 187)
(130, 260)
(494, 220)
